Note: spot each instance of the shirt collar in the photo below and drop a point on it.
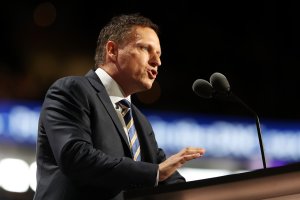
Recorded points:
(113, 89)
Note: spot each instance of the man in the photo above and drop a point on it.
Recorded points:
(85, 149)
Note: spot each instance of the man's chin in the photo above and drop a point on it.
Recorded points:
(146, 85)
(149, 84)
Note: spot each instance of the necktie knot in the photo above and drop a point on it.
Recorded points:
(124, 103)
(125, 106)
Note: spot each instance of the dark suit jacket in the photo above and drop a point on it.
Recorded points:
(82, 149)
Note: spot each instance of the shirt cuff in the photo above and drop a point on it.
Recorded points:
(157, 178)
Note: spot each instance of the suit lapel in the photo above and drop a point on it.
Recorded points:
(105, 100)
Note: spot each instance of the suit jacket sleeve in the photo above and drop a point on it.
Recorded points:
(65, 122)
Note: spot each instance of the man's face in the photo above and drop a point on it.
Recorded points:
(138, 60)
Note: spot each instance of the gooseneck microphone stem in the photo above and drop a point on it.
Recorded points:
(220, 87)
(257, 127)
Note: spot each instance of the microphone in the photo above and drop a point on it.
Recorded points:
(221, 87)
(220, 83)
(203, 88)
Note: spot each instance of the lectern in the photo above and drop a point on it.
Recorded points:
(277, 183)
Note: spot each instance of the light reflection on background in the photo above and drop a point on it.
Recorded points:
(231, 143)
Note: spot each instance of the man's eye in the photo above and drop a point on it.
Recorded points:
(144, 48)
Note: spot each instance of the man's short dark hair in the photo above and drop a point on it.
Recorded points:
(117, 30)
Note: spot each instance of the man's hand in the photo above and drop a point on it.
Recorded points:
(169, 166)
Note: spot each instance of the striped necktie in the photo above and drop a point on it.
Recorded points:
(133, 138)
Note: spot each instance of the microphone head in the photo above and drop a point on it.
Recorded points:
(219, 83)
(203, 88)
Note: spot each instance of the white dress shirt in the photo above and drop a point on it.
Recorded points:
(115, 94)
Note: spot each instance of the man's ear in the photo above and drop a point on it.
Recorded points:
(112, 50)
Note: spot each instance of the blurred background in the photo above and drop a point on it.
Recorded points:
(254, 44)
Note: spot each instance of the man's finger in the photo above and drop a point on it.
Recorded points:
(192, 150)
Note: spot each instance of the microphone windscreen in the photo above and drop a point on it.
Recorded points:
(203, 88)
(219, 82)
